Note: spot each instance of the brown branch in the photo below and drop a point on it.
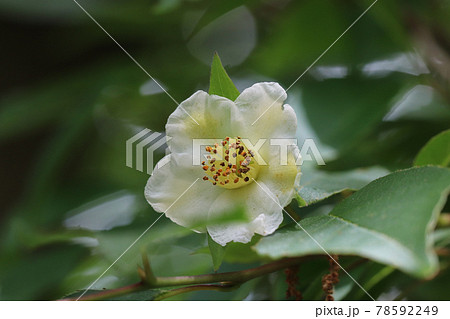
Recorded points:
(226, 280)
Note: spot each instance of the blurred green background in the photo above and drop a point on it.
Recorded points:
(70, 98)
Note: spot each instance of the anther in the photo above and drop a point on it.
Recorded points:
(237, 162)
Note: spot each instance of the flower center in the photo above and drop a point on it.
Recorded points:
(230, 164)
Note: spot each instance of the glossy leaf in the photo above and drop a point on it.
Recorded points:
(436, 151)
(388, 221)
(318, 185)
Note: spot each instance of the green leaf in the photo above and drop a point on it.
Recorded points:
(220, 83)
(217, 252)
(388, 221)
(359, 104)
(318, 185)
(436, 151)
(293, 31)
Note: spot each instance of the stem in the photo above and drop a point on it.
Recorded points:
(227, 280)
(234, 277)
(183, 290)
(106, 294)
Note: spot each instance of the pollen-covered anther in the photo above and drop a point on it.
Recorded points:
(233, 171)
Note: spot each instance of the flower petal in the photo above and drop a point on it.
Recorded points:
(262, 207)
(282, 178)
(180, 193)
(212, 115)
(262, 113)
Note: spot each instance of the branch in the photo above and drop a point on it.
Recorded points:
(110, 293)
(226, 281)
(234, 277)
(182, 290)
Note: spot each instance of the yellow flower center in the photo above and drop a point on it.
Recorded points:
(230, 164)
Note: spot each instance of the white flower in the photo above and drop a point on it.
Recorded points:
(262, 189)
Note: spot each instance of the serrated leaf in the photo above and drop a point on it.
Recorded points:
(217, 252)
(220, 83)
(436, 151)
(318, 185)
(388, 221)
